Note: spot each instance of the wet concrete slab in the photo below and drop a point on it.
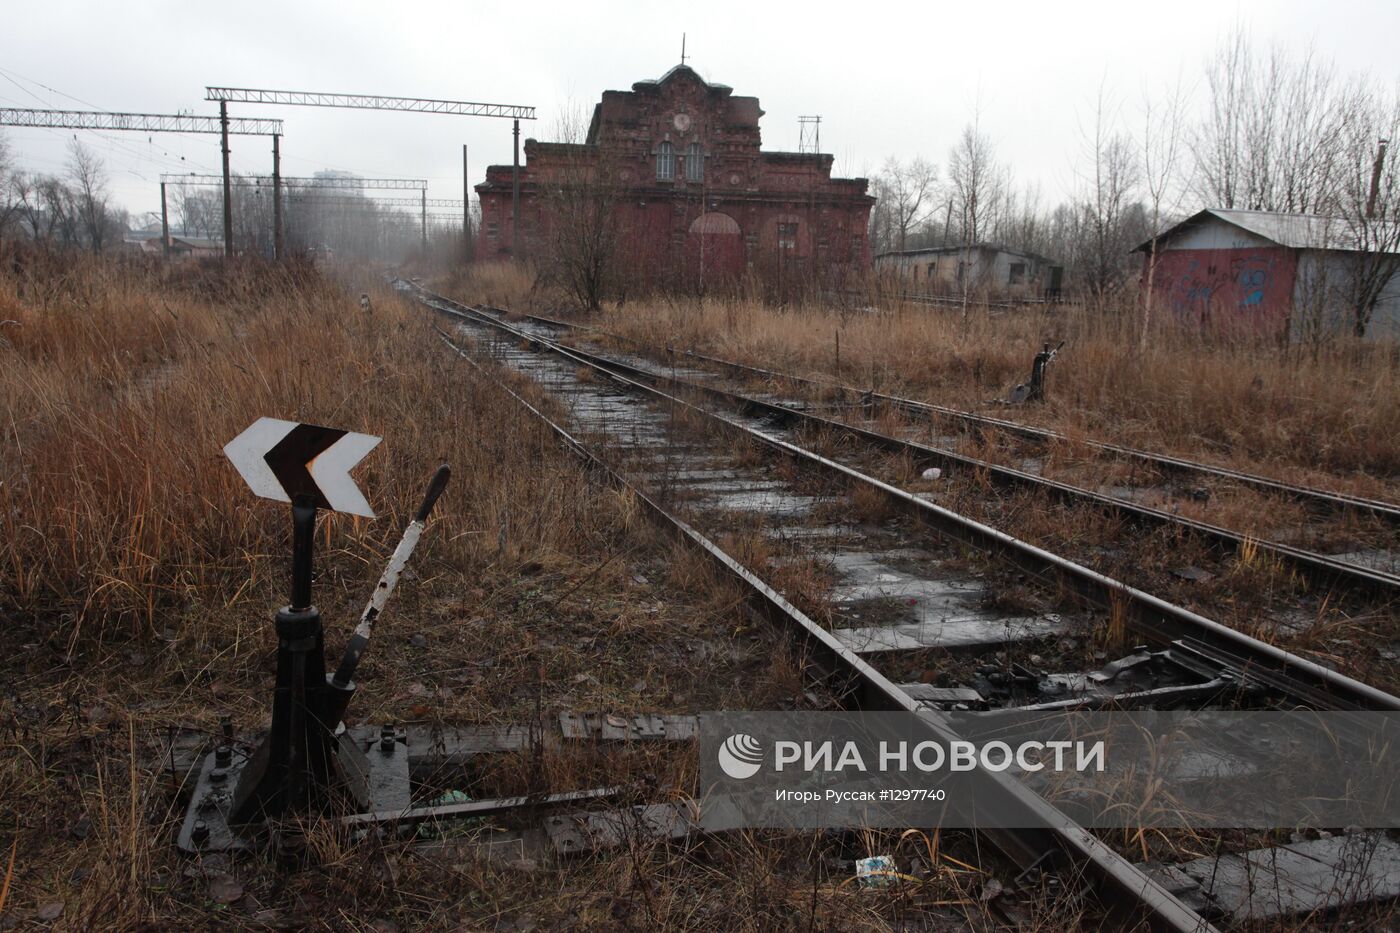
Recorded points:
(689, 474)
(952, 633)
(834, 533)
(867, 578)
(1138, 495)
(1302, 877)
(769, 502)
(1372, 559)
(729, 486)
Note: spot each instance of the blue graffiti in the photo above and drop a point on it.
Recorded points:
(1252, 286)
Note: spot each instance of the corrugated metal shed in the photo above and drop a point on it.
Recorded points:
(1295, 231)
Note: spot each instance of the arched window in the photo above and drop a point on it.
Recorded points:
(665, 162)
(694, 163)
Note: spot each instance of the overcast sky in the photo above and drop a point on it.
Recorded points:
(886, 78)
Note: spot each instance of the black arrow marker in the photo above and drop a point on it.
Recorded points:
(291, 456)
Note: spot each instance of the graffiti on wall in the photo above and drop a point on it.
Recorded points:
(1250, 288)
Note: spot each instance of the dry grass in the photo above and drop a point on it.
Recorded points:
(139, 575)
(118, 508)
(1318, 415)
(498, 284)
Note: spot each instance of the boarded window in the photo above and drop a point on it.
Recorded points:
(787, 236)
(694, 163)
(665, 162)
(1017, 275)
(493, 230)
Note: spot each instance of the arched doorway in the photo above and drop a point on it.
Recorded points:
(714, 249)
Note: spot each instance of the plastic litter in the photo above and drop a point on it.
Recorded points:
(932, 473)
(878, 871)
(441, 829)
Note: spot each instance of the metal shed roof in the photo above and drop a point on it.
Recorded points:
(1295, 231)
(982, 246)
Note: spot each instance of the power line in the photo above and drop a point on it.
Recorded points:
(112, 142)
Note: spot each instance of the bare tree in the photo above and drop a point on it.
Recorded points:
(881, 230)
(1111, 183)
(1271, 137)
(54, 216)
(10, 206)
(89, 178)
(976, 183)
(1369, 201)
(584, 232)
(909, 190)
(1162, 151)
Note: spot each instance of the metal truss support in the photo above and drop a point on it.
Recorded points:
(462, 108)
(257, 181)
(136, 122)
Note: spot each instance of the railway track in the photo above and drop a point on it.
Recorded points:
(1319, 500)
(1373, 572)
(898, 618)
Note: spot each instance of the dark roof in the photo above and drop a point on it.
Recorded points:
(990, 247)
(678, 70)
(197, 242)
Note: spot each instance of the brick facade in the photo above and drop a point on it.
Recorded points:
(694, 198)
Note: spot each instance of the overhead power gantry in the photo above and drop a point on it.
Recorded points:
(461, 108)
(165, 123)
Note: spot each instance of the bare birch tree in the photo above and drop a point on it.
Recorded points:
(911, 189)
(1113, 184)
(1162, 151)
(976, 182)
(89, 178)
(1271, 137)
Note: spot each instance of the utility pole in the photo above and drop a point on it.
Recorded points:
(515, 196)
(164, 224)
(1376, 169)
(424, 206)
(466, 208)
(373, 102)
(277, 197)
(223, 125)
(228, 187)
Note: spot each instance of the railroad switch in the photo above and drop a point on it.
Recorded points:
(1034, 391)
(308, 762)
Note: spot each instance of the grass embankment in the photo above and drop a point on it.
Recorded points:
(1323, 415)
(1327, 420)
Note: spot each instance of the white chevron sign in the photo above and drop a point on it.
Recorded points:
(285, 459)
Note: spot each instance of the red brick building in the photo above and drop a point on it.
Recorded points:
(694, 198)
